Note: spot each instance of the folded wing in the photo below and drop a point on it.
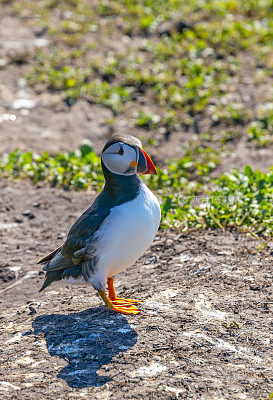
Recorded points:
(66, 261)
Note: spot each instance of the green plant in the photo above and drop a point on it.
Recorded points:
(77, 170)
(230, 114)
(241, 200)
(261, 130)
(180, 72)
(147, 120)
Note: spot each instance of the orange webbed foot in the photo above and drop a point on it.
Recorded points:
(123, 308)
(119, 301)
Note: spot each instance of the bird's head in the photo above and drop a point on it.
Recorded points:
(124, 155)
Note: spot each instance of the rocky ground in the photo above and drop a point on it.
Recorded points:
(205, 331)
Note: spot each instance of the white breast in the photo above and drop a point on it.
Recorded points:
(125, 235)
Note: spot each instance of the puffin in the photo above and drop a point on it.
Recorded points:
(114, 231)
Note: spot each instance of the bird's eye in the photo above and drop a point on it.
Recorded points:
(121, 151)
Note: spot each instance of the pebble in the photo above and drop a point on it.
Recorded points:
(32, 310)
(40, 30)
(18, 220)
(28, 213)
(24, 103)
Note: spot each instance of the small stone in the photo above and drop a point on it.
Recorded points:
(170, 27)
(3, 63)
(41, 42)
(166, 28)
(24, 103)
(32, 310)
(26, 213)
(255, 287)
(40, 30)
(18, 220)
(61, 235)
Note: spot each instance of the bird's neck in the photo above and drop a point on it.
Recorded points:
(121, 188)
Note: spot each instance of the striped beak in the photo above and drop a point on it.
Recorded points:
(145, 164)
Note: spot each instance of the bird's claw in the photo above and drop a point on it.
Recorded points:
(124, 308)
(120, 300)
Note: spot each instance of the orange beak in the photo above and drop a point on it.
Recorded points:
(145, 164)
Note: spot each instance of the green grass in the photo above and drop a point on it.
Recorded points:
(147, 120)
(180, 73)
(190, 198)
(241, 200)
(73, 170)
(261, 130)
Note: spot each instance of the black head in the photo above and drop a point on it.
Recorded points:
(126, 139)
(123, 155)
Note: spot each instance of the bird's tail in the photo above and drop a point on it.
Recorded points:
(49, 256)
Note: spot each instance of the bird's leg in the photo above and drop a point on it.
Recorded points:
(111, 289)
(118, 300)
(120, 308)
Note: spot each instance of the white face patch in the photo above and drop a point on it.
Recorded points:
(120, 159)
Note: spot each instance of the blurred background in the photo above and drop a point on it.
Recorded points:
(170, 72)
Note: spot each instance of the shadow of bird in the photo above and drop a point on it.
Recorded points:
(87, 340)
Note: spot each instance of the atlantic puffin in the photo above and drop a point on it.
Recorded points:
(115, 230)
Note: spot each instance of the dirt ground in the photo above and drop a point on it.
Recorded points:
(205, 331)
